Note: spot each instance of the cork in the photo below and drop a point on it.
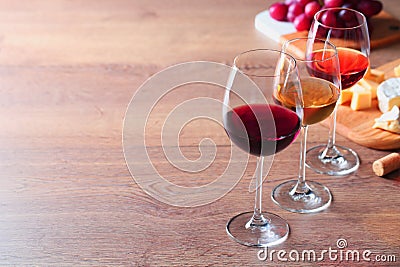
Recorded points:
(386, 164)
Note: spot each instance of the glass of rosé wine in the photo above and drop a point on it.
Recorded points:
(258, 124)
(347, 29)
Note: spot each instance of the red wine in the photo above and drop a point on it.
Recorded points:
(262, 129)
(353, 65)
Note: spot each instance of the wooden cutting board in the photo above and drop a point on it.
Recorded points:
(357, 125)
(386, 29)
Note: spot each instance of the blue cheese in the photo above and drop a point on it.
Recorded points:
(388, 94)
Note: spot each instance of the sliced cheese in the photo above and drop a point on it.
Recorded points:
(375, 75)
(361, 98)
(358, 88)
(397, 71)
(389, 121)
(369, 85)
(388, 94)
(345, 96)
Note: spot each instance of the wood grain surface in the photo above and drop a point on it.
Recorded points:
(357, 125)
(68, 70)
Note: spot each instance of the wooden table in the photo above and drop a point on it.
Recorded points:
(68, 70)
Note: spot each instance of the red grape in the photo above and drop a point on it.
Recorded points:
(351, 23)
(311, 8)
(333, 3)
(303, 2)
(288, 2)
(352, 2)
(278, 11)
(347, 15)
(340, 24)
(294, 10)
(328, 18)
(302, 23)
(301, 12)
(369, 8)
(349, 5)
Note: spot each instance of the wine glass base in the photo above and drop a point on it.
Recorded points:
(274, 232)
(344, 161)
(316, 199)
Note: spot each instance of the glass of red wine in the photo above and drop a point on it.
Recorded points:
(256, 124)
(319, 74)
(347, 29)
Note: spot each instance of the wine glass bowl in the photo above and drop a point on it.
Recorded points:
(256, 136)
(347, 29)
(260, 127)
(320, 87)
(349, 33)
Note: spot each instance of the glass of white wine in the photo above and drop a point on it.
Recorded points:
(320, 87)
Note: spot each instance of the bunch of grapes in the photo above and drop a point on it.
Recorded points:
(301, 12)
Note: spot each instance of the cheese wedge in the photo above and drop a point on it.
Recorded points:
(389, 121)
(361, 98)
(375, 75)
(345, 96)
(388, 94)
(397, 71)
(369, 85)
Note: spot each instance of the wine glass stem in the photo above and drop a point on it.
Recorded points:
(330, 152)
(301, 186)
(258, 219)
(303, 148)
(332, 129)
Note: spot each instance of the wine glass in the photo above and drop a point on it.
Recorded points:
(347, 29)
(258, 126)
(320, 86)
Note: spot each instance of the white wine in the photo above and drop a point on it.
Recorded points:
(319, 99)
